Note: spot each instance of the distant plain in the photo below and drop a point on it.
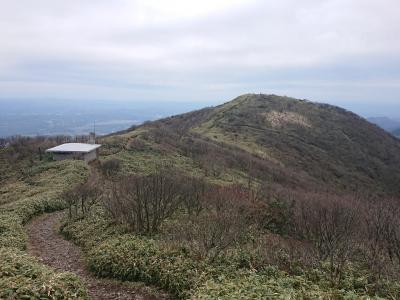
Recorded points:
(74, 117)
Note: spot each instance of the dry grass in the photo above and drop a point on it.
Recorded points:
(280, 119)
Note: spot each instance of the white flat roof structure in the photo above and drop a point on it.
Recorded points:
(74, 147)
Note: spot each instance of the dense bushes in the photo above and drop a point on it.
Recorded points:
(182, 233)
(275, 284)
(110, 167)
(299, 235)
(226, 218)
(111, 252)
(330, 226)
(272, 284)
(12, 219)
(144, 202)
(145, 260)
(226, 238)
(14, 215)
(23, 277)
(349, 230)
(245, 269)
(19, 154)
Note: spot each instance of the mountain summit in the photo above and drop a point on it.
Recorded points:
(277, 139)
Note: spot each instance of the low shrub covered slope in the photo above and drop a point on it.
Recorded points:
(114, 252)
(263, 197)
(30, 187)
(273, 197)
(23, 277)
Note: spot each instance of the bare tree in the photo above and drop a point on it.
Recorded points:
(223, 222)
(378, 237)
(393, 233)
(81, 199)
(330, 223)
(110, 167)
(144, 202)
(69, 197)
(194, 192)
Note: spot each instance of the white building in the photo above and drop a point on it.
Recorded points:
(86, 152)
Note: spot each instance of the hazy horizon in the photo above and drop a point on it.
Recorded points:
(376, 109)
(33, 117)
(335, 51)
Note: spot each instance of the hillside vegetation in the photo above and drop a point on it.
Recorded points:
(262, 197)
(328, 143)
(281, 140)
(31, 184)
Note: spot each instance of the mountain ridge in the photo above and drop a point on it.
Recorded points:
(310, 143)
(389, 124)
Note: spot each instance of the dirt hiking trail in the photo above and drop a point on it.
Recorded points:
(45, 243)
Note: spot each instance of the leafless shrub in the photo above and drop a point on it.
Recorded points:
(381, 236)
(194, 193)
(110, 167)
(144, 202)
(137, 144)
(393, 242)
(28, 149)
(81, 199)
(224, 221)
(330, 223)
(286, 253)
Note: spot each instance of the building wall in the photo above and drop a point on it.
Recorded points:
(71, 155)
(76, 155)
(90, 156)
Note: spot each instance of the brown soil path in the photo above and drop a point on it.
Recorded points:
(45, 243)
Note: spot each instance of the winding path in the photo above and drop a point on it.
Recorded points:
(45, 243)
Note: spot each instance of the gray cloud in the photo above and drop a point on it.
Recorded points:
(200, 51)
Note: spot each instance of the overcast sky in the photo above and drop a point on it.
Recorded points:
(345, 52)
